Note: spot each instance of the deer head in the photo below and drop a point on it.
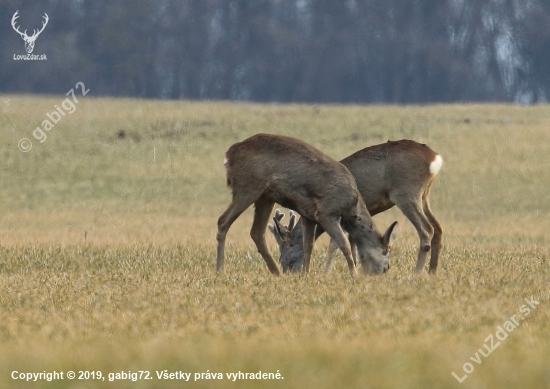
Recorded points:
(289, 238)
(29, 40)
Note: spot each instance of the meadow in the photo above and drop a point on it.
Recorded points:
(107, 249)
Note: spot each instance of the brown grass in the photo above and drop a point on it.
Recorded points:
(108, 244)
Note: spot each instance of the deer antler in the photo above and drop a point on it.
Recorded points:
(278, 215)
(13, 19)
(281, 231)
(292, 220)
(277, 222)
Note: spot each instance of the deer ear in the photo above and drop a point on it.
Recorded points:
(388, 235)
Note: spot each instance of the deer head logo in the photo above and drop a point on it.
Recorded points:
(29, 40)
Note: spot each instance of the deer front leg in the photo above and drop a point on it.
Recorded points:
(334, 230)
(332, 246)
(353, 248)
(308, 235)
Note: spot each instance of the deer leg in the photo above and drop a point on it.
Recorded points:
(308, 234)
(262, 213)
(318, 231)
(332, 246)
(353, 248)
(234, 210)
(413, 211)
(334, 230)
(436, 240)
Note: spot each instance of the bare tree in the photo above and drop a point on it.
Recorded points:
(268, 169)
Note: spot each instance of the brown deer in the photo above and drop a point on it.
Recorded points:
(267, 169)
(394, 173)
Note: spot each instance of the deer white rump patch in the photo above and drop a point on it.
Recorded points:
(225, 160)
(436, 164)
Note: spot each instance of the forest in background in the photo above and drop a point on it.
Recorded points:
(349, 51)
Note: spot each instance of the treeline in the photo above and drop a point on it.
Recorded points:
(368, 51)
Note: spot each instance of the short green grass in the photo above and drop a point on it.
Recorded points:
(107, 246)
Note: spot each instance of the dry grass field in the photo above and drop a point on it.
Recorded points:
(107, 247)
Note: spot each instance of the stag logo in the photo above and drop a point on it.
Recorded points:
(29, 40)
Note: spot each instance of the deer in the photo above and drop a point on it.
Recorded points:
(29, 40)
(394, 173)
(266, 169)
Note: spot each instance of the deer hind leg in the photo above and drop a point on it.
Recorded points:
(262, 214)
(412, 209)
(308, 234)
(436, 240)
(334, 230)
(238, 205)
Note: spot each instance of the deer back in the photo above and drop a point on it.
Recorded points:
(291, 173)
(395, 166)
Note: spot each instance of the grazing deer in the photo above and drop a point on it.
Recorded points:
(267, 169)
(394, 173)
(29, 40)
